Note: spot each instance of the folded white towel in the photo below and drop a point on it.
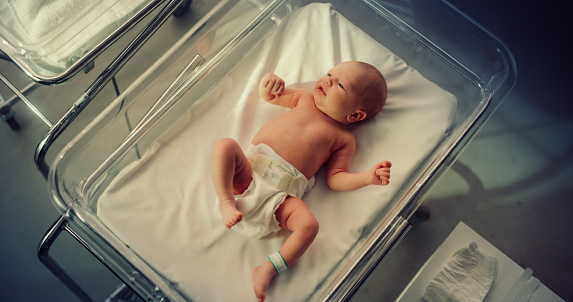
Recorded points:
(63, 30)
(466, 277)
(38, 17)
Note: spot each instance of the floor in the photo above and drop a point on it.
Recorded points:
(512, 184)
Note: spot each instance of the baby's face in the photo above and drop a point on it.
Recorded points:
(337, 93)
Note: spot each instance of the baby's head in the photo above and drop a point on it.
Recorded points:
(374, 90)
(351, 92)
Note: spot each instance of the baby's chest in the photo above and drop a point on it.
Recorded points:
(315, 133)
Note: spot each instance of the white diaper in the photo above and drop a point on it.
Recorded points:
(273, 177)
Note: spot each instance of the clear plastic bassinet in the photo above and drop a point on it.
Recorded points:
(434, 38)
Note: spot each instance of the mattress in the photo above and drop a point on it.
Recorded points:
(163, 205)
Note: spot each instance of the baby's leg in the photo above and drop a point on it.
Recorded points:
(232, 174)
(293, 215)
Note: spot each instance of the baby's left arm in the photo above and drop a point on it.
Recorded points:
(339, 179)
(379, 174)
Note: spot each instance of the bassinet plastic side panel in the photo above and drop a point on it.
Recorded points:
(102, 80)
(133, 272)
(31, 57)
(30, 54)
(439, 41)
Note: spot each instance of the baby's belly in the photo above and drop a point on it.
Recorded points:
(306, 156)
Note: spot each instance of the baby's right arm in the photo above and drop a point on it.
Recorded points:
(272, 89)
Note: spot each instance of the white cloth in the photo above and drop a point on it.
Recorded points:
(63, 30)
(162, 205)
(261, 199)
(523, 288)
(466, 277)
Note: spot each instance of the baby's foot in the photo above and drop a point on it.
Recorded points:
(230, 214)
(262, 276)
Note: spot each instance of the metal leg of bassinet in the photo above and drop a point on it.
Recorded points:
(12, 100)
(52, 265)
(20, 95)
(62, 224)
(98, 84)
(6, 112)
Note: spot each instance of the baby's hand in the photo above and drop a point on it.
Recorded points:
(273, 84)
(379, 174)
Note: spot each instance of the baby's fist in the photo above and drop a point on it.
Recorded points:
(380, 173)
(273, 84)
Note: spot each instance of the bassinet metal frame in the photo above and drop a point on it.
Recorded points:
(85, 63)
(170, 7)
(374, 252)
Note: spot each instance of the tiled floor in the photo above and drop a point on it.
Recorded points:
(512, 184)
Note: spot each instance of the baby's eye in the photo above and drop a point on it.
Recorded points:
(341, 86)
(328, 74)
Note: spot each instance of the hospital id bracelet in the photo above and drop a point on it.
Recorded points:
(278, 262)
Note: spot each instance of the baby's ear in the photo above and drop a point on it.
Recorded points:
(357, 116)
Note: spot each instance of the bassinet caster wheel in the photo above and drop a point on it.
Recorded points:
(7, 116)
(4, 57)
(422, 214)
(182, 9)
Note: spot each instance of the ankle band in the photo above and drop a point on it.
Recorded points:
(278, 262)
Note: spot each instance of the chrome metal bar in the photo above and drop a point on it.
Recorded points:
(176, 88)
(62, 224)
(98, 84)
(357, 275)
(44, 256)
(127, 120)
(13, 99)
(25, 100)
(115, 86)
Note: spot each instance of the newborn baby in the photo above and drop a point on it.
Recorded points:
(260, 192)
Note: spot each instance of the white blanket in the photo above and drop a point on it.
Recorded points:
(61, 31)
(163, 205)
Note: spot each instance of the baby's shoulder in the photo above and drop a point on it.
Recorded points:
(341, 135)
(347, 136)
(305, 98)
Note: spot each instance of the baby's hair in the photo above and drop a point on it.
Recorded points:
(374, 95)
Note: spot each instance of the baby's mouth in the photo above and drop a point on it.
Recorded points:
(322, 90)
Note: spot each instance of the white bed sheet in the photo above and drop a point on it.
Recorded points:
(163, 205)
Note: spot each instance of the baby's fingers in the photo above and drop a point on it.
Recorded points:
(383, 175)
(274, 84)
(278, 87)
(385, 164)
